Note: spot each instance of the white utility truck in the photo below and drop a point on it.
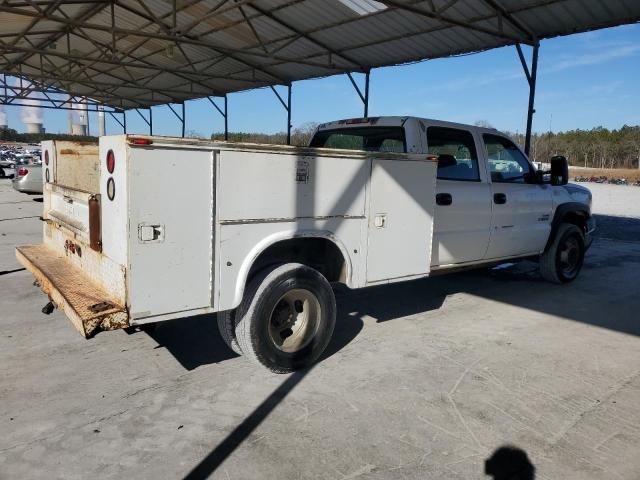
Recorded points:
(146, 229)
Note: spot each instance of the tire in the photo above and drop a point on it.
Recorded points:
(226, 326)
(286, 317)
(562, 261)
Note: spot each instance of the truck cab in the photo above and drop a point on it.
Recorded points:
(491, 202)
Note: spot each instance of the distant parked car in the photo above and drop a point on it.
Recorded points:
(28, 179)
(6, 164)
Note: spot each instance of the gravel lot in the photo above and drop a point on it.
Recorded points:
(426, 379)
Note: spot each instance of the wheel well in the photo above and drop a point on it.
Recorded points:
(573, 213)
(576, 218)
(319, 253)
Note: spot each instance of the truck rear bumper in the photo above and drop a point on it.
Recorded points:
(86, 304)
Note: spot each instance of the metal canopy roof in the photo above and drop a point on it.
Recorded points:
(139, 53)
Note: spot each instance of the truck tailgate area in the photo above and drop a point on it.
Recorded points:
(86, 304)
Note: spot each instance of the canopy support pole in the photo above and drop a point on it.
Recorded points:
(363, 96)
(223, 113)
(179, 117)
(531, 79)
(148, 122)
(287, 107)
(122, 123)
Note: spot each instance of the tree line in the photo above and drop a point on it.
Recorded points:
(595, 148)
(11, 135)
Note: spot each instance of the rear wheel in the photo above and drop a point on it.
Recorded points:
(563, 260)
(286, 318)
(227, 328)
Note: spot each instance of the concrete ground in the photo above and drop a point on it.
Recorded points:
(426, 379)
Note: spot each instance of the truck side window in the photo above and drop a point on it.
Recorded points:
(460, 159)
(506, 162)
(372, 139)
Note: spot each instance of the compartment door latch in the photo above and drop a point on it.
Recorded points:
(150, 233)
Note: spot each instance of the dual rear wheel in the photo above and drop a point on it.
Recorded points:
(285, 320)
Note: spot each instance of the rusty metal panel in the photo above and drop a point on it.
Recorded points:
(100, 268)
(77, 166)
(89, 306)
(95, 226)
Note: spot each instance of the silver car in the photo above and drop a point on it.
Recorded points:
(28, 179)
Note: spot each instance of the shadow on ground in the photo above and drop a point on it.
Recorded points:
(193, 341)
(347, 328)
(626, 229)
(509, 463)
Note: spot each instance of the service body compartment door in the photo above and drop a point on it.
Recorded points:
(170, 230)
(402, 203)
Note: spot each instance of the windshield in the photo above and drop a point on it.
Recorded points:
(372, 139)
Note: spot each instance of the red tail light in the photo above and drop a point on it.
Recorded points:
(22, 172)
(111, 161)
(46, 157)
(140, 141)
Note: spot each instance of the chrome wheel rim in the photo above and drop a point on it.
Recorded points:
(294, 320)
(570, 256)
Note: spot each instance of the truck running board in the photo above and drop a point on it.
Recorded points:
(86, 304)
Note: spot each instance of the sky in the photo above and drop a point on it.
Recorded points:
(584, 81)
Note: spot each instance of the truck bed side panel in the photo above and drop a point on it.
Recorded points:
(400, 219)
(170, 230)
(265, 186)
(241, 243)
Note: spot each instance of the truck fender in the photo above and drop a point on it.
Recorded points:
(561, 213)
(274, 238)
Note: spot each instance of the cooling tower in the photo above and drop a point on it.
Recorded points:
(3, 118)
(30, 112)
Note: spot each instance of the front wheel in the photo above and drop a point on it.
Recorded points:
(286, 318)
(563, 260)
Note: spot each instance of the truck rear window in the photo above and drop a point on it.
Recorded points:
(372, 139)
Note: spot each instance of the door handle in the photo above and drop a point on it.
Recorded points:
(444, 199)
(499, 198)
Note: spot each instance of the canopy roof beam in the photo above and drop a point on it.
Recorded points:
(435, 15)
(121, 52)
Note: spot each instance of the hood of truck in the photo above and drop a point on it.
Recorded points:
(578, 193)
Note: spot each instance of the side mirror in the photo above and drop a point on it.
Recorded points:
(559, 170)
